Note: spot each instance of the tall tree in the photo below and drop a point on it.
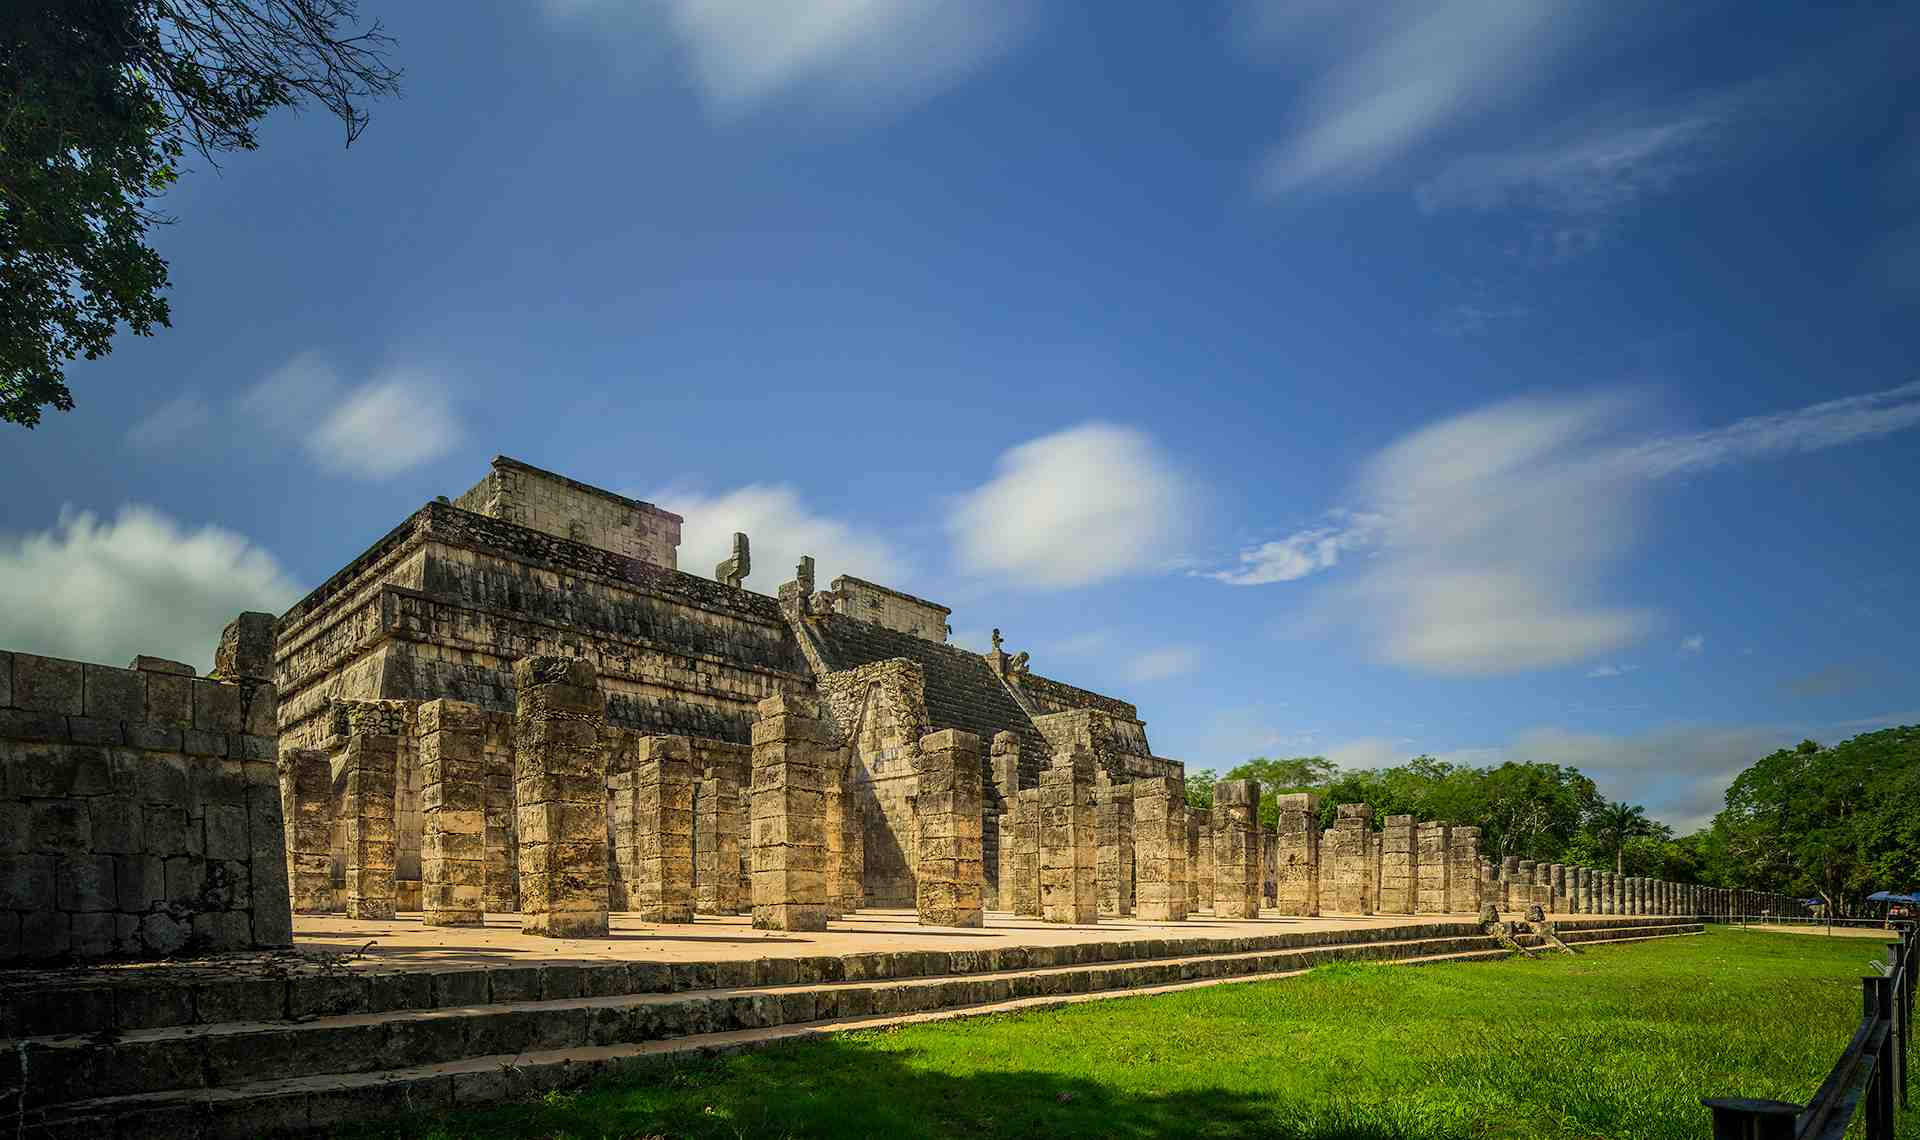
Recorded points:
(1616, 824)
(99, 102)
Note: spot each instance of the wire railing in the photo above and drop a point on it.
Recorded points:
(1869, 1081)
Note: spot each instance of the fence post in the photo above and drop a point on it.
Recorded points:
(1740, 1118)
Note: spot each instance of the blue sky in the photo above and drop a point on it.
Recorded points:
(1495, 380)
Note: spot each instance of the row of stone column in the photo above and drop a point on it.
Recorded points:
(1558, 888)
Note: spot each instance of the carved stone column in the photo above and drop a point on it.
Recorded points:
(450, 737)
(789, 814)
(1297, 854)
(1067, 892)
(950, 879)
(560, 789)
(1160, 849)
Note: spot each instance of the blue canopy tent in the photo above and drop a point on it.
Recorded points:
(1891, 897)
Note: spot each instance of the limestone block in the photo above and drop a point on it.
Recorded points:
(653, 845)
(949, 879)
(370, 769)
(47, 685)
(1355, 891)
(1236, 806)
(1399, 885)
(789, 814)
(1465, 877)
(1114, 855)
(1026, 853)
(450, 737)
(1068, 892)
(717, 823)
(114, 694)
(1160, 849)
(1433, 868)
(560, 780)
(1297, 854)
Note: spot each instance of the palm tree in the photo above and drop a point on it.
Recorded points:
(1616, 823)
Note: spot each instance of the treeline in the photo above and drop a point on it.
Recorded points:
(1841, 821)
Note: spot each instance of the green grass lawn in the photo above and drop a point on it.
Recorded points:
(1617, 1042)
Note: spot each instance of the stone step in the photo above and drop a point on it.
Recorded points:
(40, 1003)
(197, 1063)
(292, 1106)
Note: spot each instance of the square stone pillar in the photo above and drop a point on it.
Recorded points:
(1160, 849)
(1609, 904)
(1353, 884)
(1067, 891)
(1433, 866)
(1269, 867)
(1236, 851)
(307, 777)
(450, 737)
(653, 829)
(1026, 853)
(1202, 870)
(1463, 872)
(950, 876)
(1114, 857)
(500, 891)
(1399, 882)
(1296, 854)
(716, 842)
(372, 766)
(845, 833)
(1005, 761)
(1557, 887)
(560, 795)
(789, 814)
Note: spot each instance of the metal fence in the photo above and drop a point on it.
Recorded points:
(1870, 1080)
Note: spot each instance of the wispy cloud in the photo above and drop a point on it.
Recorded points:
(1080, 506)
(107, 590)
(1161, 664)
(388, 425)
(1834, 679)
(173, 422)
(1401, 72)
(854, 57)
(1491, 534)
(1609, 670)
(1303, 552)
(1693, 645)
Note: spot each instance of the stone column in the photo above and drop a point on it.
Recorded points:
(1269, 867)
(1193, 863)
(1202, 869)
(950, 877)
(1432, 865)
(846, 834)
(1399, 883)
(372, 766)
(1114, 857)
(1236, 854)
(451, 740)
(1004, 769)
(1297, 854)
(1353, 885)
(1557, 882)
(1609, 900)
(653, 821)
(1067, 890)
(1160, 849)
(307, 776)
(716, 842)
(789, 814)
(500, 888)
(1026, 852)
(1006, 766)
(560, 792)
(1463, 872)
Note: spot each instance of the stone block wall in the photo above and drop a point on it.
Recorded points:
(521, 493)
(140, 812)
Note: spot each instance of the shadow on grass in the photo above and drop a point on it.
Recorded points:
(854, 1085)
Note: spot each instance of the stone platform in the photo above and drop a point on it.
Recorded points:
(369, 1018)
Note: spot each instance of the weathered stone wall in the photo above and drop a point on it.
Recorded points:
(553, 504)
(1118, 746)
(140, 813)
(871, 602)
(880, 709)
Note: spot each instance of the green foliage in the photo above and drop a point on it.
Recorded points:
(98, 103)
(1839, 822)
(1279, 777)
(1360, 1051)
(1200, 791)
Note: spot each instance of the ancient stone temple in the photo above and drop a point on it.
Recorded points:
(397, 677)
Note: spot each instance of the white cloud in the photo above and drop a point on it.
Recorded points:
(1606, 670)
(292, 396)
(172, 422)
(388, 425)
(860, 57)
(1303, 552)
(1080, 506)
(107, 591)
(1368, 752)
(1402, 71)
(1161, 664)
(780, 528)
(1491, 533)
(1083, 644)
(1694, 644)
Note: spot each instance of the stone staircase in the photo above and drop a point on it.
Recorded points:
(263, 1054)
